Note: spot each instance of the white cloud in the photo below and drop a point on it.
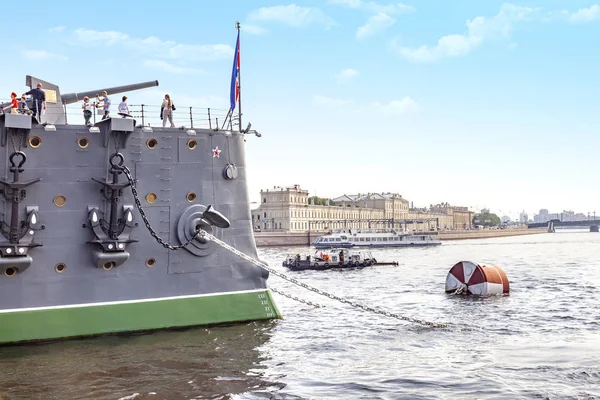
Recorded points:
(330, 101)
(347, 3)
(589, 14)
(42, 55)
(171, 68)
(346, 75)
(292, 15)
(479, 30)
(108, 38)
(153, 46)
(56, 29)
(381, 18)
(398, 107)
(373, 6)
(253, 29)
(375, 24)
(405, 105)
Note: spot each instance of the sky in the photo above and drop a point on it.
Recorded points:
(480, 104)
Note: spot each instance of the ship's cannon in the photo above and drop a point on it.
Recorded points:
(70, 98)
(55, 112)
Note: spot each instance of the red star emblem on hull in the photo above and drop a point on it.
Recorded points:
(216, 151)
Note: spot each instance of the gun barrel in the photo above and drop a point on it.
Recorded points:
(70, 98)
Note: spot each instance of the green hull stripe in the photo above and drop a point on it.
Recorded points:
(159, 314)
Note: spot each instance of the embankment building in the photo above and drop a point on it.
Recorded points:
(290, 209)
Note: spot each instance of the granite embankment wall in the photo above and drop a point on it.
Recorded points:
(264, 239)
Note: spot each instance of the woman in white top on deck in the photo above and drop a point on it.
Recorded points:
(88, 109)
(167, 111)
(124, 108)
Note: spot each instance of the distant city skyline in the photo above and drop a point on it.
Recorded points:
(566, 214)
(481, 104)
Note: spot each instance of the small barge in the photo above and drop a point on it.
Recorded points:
(335, 258)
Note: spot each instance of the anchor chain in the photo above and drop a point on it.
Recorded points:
(202, 233)
(461, 289)
(12, 141)
(299, 300)
(138, 205)
(318, 291)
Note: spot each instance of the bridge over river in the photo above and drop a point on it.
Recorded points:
(553, 223)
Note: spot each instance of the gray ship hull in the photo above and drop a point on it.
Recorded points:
(68, 280)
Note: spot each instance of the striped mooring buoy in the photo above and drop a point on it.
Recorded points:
(467, 277)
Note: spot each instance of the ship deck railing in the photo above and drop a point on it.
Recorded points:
(148, 115)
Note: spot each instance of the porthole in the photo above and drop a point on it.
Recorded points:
(10, 271)
(83, 142)
(107, 266)
(191, 197)
(150, 198)
(192, 144)
(151, 143)
(60, 200)
(151, 262)
(60, 268)
(35, 142)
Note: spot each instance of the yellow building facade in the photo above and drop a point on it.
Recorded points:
(290, 209)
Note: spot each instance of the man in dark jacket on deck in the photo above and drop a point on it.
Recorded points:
(38, 97)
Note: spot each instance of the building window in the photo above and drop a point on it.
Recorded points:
(265, 200)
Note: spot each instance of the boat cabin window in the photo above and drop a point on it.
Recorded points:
(338, 239)
(361, 239)
(344, 237)
(368, 239)
(385, 239)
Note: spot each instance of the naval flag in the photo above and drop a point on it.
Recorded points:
(235, 75)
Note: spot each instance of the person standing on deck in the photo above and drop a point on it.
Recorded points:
(87, 110)
(104, 103)
(23, 103)
(124, 108)
(14, 104)
(38, 101)
(167, 111)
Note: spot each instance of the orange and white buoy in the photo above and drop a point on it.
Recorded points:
(466, 277)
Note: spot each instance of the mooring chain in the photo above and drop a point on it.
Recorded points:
(138, 204)
(318, 291)
(299, 300)
(12, 141)
(202, 233)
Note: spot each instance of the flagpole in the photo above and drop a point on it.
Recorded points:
(237, 25)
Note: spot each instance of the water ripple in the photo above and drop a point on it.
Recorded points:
(540, 342)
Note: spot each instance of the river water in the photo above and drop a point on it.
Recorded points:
(540, 342)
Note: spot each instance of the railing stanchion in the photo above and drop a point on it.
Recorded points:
(209, 120)
(191, 119)
(65, 109)
(143, 123)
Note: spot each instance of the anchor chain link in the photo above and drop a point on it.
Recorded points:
(138, 205)
(202, 233)
(299, 300)
(12, 141)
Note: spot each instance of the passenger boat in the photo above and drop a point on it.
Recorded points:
(348, 238)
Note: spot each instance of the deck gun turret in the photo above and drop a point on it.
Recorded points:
(55, 113)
